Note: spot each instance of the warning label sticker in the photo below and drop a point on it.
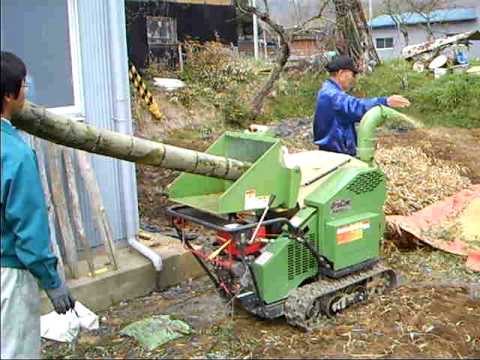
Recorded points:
(351, 232)
(252, 201)
(262, 259)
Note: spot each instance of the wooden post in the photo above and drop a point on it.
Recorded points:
(98, 210)
(61, 209)
(37, 144)
(75, 207)
(180, 57)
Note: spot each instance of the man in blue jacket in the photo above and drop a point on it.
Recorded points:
(26, 260)
(337, 112)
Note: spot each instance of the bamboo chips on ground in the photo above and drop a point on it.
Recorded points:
(415, 180)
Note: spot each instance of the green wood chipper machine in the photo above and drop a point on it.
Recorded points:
(295, 235)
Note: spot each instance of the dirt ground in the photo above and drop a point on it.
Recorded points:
(434, 314)
(422, 319)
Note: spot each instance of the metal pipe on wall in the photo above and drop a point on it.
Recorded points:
(255, 31)
(123, 124)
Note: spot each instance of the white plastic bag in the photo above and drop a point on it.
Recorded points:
(88, 320)
(63, 328)
(66, 327)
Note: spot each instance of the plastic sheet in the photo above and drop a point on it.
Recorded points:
(452, 225)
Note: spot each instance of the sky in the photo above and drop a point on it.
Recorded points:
(292, 12)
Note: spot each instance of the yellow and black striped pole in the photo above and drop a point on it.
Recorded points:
(142, 90)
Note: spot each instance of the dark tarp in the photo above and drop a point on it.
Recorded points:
(195, 21)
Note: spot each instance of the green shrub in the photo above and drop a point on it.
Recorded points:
(235, 111)
(295, 96)
(214, 66)
(452, 100)
(393, 77)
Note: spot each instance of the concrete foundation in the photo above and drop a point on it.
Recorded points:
(135, 277)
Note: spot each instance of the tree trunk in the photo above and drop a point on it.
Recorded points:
(38, 121)
(280, 62)
(353, 35)
(282, 58)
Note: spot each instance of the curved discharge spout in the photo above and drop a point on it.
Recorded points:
(374, 118)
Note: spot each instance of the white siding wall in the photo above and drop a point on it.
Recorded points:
(417, 35)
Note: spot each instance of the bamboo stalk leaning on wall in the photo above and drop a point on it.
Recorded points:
(72, 189)
(60, 202)
(37, 144)
(96, 205)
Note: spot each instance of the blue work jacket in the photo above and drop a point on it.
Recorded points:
(24, 218)
(335, 116)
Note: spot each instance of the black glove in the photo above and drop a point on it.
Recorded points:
(61, 299)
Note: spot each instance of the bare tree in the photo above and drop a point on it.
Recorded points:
(354, 37)
(285, 36)
(425, 9)
(352, 34)
(394, 9)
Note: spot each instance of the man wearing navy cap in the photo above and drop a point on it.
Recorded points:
(337, 112)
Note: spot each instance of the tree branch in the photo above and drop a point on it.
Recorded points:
(299, 28)
(282, 58)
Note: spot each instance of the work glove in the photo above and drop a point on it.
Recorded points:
(61, 299)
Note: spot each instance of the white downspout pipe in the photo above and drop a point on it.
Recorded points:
(123, 124)
(150, 254)
(255, 31)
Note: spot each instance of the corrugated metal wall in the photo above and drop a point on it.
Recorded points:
(118, 186)
(105, 94)
(116, 179)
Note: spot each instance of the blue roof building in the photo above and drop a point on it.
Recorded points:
(437, 16)
(389, 40)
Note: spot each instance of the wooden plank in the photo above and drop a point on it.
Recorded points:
(75, 207)
(180, 57)
(37, 145)
(60, 202)
(96, 204)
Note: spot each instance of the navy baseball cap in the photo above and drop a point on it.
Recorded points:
(341, 62)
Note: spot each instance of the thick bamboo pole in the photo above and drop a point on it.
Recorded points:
(37, 121)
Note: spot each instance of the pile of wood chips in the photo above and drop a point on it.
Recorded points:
(415, 180)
